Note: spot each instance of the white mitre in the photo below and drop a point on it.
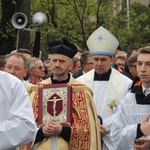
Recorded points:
(102, 42)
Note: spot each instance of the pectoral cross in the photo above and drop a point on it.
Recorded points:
(54, 100)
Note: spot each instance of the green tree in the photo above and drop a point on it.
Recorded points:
(76, 20)
(72, 19)
(139, 33)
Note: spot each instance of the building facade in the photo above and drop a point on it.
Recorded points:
(145, 2)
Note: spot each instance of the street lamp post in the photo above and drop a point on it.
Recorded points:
(128, 14)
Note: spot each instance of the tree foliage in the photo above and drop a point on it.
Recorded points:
(138, 34)
(77, 19)
(72, 19)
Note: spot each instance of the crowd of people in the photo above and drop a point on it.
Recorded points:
(109, 97)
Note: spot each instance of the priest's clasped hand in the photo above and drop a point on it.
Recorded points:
(52, 128)
(102, 130)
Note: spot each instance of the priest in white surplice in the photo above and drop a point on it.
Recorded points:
(132, 119)
(17, 125)
(108, 85)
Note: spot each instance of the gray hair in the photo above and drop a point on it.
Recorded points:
(31, 63)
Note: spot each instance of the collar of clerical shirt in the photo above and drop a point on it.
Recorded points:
(146, 91)
(103, 77)
(59, 82)
(141, 97)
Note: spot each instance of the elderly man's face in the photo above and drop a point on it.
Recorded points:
(15, 66)
(60, 66)
(101, 63)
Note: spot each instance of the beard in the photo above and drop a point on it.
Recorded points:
(58, 72)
